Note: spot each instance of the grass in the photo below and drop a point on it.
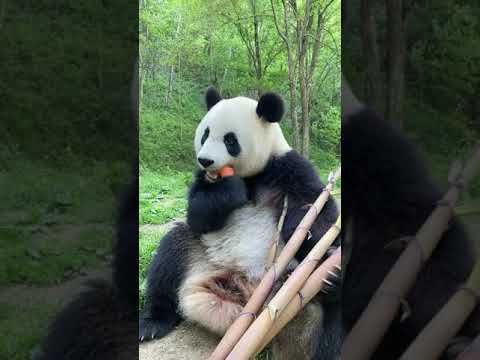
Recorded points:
(55, 225)
(27, 325)
(51, 257)
(28, 193)
(149, 241)
(163, 196)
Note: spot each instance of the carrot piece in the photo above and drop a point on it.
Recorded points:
(226, 171)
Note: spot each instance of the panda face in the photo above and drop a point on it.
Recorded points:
(233, 134)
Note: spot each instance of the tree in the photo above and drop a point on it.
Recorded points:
(305, 36)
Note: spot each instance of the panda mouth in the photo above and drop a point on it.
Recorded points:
(212, 175)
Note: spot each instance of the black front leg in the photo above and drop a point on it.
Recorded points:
(210, 203)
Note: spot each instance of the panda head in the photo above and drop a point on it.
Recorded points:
(240, 132)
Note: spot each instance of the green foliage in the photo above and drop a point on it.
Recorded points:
(60, 118)
(442, 77)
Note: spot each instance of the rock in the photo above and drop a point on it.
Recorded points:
(186, 342)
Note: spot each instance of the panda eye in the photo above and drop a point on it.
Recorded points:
(205, 136)
(231, 143)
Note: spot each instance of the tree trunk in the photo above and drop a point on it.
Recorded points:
(172, 68)
(291, 72)
(370, 48)
(258, 54)
(396, 62)
(291, 83)
(170, 84)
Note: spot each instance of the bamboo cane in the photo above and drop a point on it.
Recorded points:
(312, 287)
(240, 325)
(434, 338)
(472, 352)
(252, 339)
(375, 320)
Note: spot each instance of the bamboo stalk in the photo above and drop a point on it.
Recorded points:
(260, 294)
(312, 287)
(375, 320)
(472, 352)
(434, 338)
(252, 339)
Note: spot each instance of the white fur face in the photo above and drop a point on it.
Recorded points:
(258, 139)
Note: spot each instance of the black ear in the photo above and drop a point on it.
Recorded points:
(270, 107)
(212, 97)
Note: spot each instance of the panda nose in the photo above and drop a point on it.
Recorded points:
(205, 162)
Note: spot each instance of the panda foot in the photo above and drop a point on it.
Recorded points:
(149, 329)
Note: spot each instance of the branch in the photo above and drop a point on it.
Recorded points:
(318, 37)
(275, 21)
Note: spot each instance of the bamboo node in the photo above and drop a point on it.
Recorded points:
(445, 202)
(309, 233)
(406, 309)
(244, 313)
(302, 298)
(272, 311)
(473, 292)
(317, 210)
(400, 243)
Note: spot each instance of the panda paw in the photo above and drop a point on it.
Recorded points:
(149, 329)
(331, 290)
(210, 204)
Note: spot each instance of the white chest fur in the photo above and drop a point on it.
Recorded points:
(244, 241)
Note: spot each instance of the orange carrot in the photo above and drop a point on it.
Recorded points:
(226, 171)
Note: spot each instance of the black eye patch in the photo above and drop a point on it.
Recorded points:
(231, 143)
(205, 136)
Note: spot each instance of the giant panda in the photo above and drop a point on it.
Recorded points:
(387, 195)
(205, 270)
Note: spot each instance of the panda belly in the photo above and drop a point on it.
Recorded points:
(244, 242)
(224, 271)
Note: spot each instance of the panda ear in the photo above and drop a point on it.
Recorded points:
(212, 97)
(270, 107)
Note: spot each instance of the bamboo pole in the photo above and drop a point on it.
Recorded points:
(434, 338)
(375, 320)
(252, 339)
(472, 352)
(311, 288)
(260, 294)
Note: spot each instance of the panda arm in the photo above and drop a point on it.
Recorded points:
(295, 176)
(210, 204)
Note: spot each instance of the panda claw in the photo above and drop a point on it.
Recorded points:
(334, 274)
(328, 282)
